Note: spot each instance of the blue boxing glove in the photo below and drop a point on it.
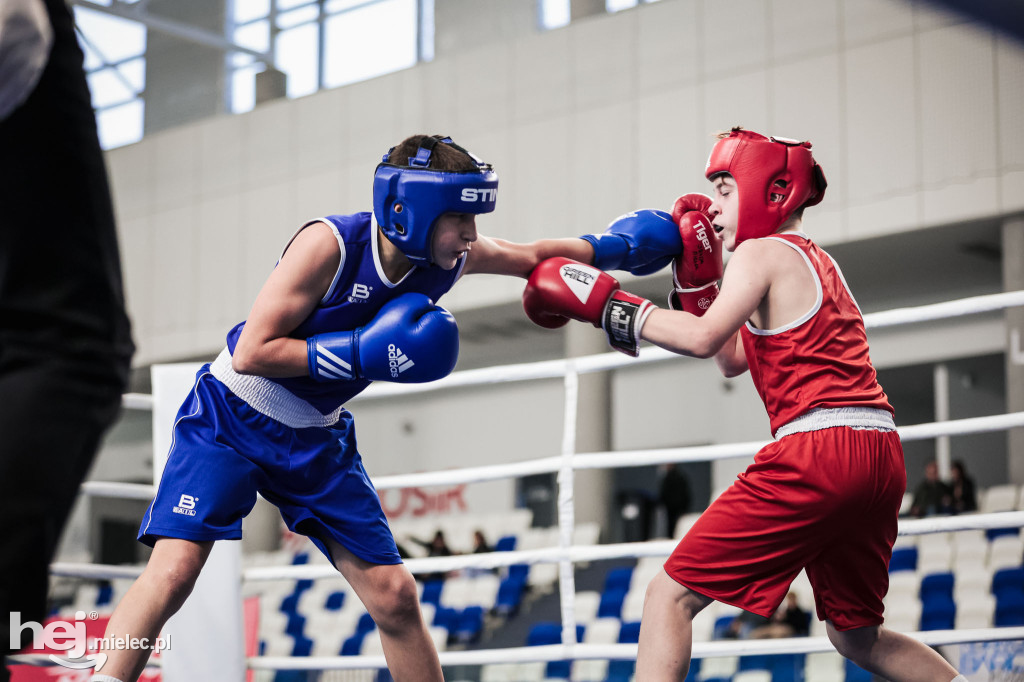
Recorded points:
(641, 242)
(411, 340)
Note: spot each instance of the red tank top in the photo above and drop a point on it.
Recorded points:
(819, 360)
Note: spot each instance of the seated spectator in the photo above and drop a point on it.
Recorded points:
(436, 546)
(480, 544)
(789, 620)
(743, 624)
(963, 492)
(931, 496)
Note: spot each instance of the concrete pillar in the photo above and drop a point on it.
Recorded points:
(1013, 280)
(271, 84)
(464, 24)
(593, 428)
(185, 81)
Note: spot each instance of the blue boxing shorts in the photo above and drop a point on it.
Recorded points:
(223, 452)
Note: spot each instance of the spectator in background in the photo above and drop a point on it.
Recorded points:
(436, 546)
(674, 494)
(962, 490)
(789, 620)
(480, 544)
(931, 496)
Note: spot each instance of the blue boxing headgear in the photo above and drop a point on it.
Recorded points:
(408, 200)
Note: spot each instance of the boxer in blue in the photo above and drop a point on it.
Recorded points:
(351, 300)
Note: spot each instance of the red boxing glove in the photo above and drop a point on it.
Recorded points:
(698, 268)
(560, 289)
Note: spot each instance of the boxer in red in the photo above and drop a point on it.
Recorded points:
(824, 496)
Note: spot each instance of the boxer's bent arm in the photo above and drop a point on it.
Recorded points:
(500, 257)
(744, 286)
(290, 294)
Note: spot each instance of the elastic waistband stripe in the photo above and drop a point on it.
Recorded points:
(269, 398)
(827, 418)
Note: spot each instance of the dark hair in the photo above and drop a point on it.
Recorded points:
(445, 157)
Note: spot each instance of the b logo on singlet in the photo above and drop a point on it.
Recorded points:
(360, 292)
(186, 505)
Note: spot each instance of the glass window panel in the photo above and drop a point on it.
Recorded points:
(248, 10)
(290, 4)
(296, 55)
(93, 60)
(116, 38)
(107, 88)
(135, 73)
(332, 6)
(370, 41)
(554, 13)
(121, 125)
(243, 88)
(240, 59)
(255, 36)
(299, 16)
(618, 5)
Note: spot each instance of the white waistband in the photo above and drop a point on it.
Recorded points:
(827, 418)
(269, 398)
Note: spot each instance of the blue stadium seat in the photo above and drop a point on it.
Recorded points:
(621, 670)
(629, 633)
(722, 624)
(611, 603)
(753, 662)
(936, 584)
(432, 591)
(445, 617)
(993, 533)
(469, 624)
(334, 601)
(1009, 609)
(295, 625)
(855, 673)
(618, 579)
(365, 623)
(506, 543)
(303, 646)
(544, 633)
(903, 559)
(352, 645)
(105, 594)
(1007, 581)
(938, 612)
(510, 595)
(788, 667)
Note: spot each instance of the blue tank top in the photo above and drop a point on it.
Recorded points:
(357, 293)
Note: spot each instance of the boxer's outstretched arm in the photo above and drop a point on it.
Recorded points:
(500, 257)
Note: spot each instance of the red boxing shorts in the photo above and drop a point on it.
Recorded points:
(826, 500)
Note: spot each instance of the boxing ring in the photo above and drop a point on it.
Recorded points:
(567, 554)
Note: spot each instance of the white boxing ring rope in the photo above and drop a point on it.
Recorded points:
(566, 554)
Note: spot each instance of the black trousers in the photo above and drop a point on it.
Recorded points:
(65, 340)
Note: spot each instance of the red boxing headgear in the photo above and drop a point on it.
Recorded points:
(774, 176)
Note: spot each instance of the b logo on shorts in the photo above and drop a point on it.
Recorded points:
(186, 506)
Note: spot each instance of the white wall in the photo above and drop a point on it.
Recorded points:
(914, 115)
